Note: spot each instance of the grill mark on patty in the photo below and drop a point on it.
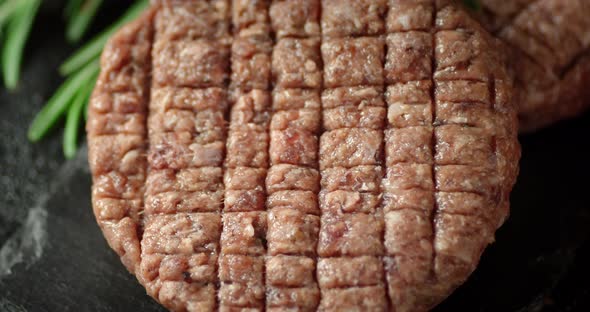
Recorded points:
(243, 240)
(351, 152)
(292, 216)
(408, 182)
(383, 258)
(426, 156)
(433, 97)
(181, 245)
(456, 146)
(476, 150)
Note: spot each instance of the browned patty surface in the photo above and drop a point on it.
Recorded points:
(550, 44)
(302, 155)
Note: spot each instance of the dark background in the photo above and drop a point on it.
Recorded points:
(540, 262)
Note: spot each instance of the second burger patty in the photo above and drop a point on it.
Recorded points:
(549, 42)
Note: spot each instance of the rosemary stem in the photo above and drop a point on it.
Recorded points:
(60, 101)
(17, 33)
(93, 49)
(80, 20)
(70, 139)
(9, 8)
(71, 7)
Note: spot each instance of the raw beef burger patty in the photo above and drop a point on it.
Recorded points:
(302, 155)
(550, 51)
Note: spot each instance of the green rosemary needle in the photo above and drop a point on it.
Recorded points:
(17, 32)
(70, 139)
(60, 101)
(93, 49)
(80, 20)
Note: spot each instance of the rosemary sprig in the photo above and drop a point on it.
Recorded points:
(71, 99)
(80, 18)
(71, 7)
(70, 139)
(8, 8)
(93, 48)
(20, 20)
(59, 103)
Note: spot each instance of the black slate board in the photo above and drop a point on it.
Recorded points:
(540, 261)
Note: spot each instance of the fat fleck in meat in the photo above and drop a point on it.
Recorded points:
(549, 44)
(302, 155)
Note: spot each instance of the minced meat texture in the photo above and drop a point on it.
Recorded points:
(302, 155)
(117, 141)
(549, 46)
